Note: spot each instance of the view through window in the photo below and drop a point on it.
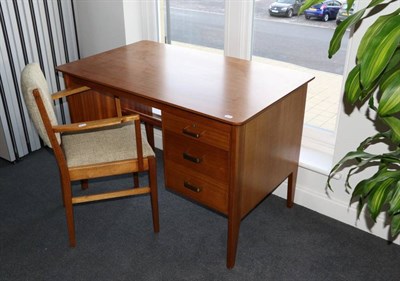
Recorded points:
(194, 22)
(302, 42)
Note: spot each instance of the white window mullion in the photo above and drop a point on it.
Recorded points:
(239, 28)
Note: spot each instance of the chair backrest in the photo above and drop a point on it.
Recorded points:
(32, 78)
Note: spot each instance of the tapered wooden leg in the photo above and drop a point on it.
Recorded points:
(291, 189)
(154, 193)
(233, 229)
(233, 238)
(69, 211)
(84, 184)
(150, 134)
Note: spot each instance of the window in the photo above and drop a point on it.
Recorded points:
(273, 34)
(193, 22)
(301, 42)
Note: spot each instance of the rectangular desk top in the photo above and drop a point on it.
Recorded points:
(226, 89)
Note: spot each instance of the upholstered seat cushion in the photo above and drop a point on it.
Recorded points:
(106, 145)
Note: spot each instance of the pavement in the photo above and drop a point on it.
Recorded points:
(323, 95)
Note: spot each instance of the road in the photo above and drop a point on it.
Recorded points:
(299, 44)
(294, 40)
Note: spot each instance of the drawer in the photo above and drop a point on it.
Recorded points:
(196, 186)
(198, 128)
(200, 157)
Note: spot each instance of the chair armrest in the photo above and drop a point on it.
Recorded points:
(69, 92)
(83, 126)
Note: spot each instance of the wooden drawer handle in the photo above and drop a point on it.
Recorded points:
(191, 158)
(192, 187)
(190, 133)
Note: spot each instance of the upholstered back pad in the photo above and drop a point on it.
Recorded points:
(32, 78)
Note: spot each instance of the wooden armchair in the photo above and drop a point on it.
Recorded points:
(91, 149)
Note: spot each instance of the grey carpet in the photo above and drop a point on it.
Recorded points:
(115, 240)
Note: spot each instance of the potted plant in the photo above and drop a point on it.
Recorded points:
(374, 79)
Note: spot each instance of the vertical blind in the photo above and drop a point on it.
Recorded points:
(41, 31)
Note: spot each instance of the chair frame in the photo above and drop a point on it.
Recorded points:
(83, 173)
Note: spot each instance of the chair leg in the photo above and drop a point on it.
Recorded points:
(154, 193)
(62, 189)
(69, 211)
(84, 184)
(135, 180)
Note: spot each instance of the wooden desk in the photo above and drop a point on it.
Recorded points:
(231, 128)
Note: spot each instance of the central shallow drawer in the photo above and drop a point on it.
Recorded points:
(198, 128)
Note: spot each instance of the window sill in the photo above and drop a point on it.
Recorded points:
(315, 160)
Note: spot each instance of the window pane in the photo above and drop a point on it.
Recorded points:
(292, 41)
(199, 23)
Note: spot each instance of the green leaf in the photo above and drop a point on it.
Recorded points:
(390, 101)
(374, 3)
(369, 140)
(350, 4)
(395, 225)
(394, 125)
(361, 157)
(359, 207)
(340, 30)
(352, 89)
(394, 62)
(352, 155)
(348, 22)
(393, 158)
(308, 4)
(395, 201)
(371, 103)
(377, 47)
(351, 172)
(363, 188)
(378, 197)
(369, 35)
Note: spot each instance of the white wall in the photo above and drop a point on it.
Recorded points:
(104, 25)
(100, 25)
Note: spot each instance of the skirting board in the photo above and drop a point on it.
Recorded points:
(337, 210)
(320, 203)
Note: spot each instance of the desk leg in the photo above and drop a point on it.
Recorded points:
(150, 134)
(233, 238)
(291, 188)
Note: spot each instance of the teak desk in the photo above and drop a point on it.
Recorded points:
(231, 128)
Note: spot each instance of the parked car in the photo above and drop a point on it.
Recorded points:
(325, 11)
(286, 8)
(343, 13)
